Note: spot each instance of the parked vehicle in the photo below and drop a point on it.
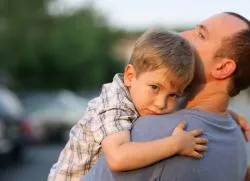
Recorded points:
(12, 129)
(51, 115)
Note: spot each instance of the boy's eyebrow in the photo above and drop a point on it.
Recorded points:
(160, 85)
(178, 91)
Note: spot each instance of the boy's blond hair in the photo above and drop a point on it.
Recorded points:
(158, 49)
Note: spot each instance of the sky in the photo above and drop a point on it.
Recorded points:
(138, 14)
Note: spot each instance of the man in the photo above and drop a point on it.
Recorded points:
(222, 44)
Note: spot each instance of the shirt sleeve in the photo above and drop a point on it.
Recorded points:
(111, 121)
(74, 160)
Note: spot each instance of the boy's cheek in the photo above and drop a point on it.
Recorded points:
(175, 106)
(171, 108)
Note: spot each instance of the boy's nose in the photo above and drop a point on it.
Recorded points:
(161, 104)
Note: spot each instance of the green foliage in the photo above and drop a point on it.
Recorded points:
(61, 51)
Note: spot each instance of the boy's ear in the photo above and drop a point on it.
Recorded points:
(224, 69)
(129, 74)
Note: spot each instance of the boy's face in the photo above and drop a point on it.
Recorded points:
(152, 92)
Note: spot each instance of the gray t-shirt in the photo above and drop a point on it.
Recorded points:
(226, 159)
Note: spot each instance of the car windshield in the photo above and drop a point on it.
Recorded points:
(9, 103)
(62, 105)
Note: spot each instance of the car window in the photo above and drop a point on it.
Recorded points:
(9, 103)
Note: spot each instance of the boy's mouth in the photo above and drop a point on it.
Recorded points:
(148, 111)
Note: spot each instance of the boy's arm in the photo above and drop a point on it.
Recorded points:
(123, 155)
(242, 123)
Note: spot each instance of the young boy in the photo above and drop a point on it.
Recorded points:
(161, 66)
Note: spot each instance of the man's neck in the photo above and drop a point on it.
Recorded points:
(208, 98)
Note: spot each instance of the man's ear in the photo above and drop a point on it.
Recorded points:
(129, 74)
(224, 68)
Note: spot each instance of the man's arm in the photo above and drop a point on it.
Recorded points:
(248, 173)
(123, 155)
(243, 123)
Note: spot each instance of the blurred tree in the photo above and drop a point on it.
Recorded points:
(46, 51)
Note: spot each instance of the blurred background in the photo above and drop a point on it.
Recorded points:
(56, 54)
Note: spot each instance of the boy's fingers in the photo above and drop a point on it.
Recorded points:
(196, 155)
(246, 136)
(245, 127)
(243, 123)
(201, 140)
(200, 148)
(196, 132)
(246, 132)
(182, 125)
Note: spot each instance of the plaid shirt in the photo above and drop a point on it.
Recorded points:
(111, 112)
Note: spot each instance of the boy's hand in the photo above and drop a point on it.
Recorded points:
(188, 143)
(242, 122)
(244, 126)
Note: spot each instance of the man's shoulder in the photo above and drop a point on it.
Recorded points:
(158, 126)
(153, 127)
(162, 118)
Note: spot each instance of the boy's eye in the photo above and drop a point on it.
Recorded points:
(154, 87)
(175, 96)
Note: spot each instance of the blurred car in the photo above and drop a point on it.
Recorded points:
(12, 129)
(51, 115)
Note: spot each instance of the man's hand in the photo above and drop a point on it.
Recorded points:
(189, 144)
(242, 122)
